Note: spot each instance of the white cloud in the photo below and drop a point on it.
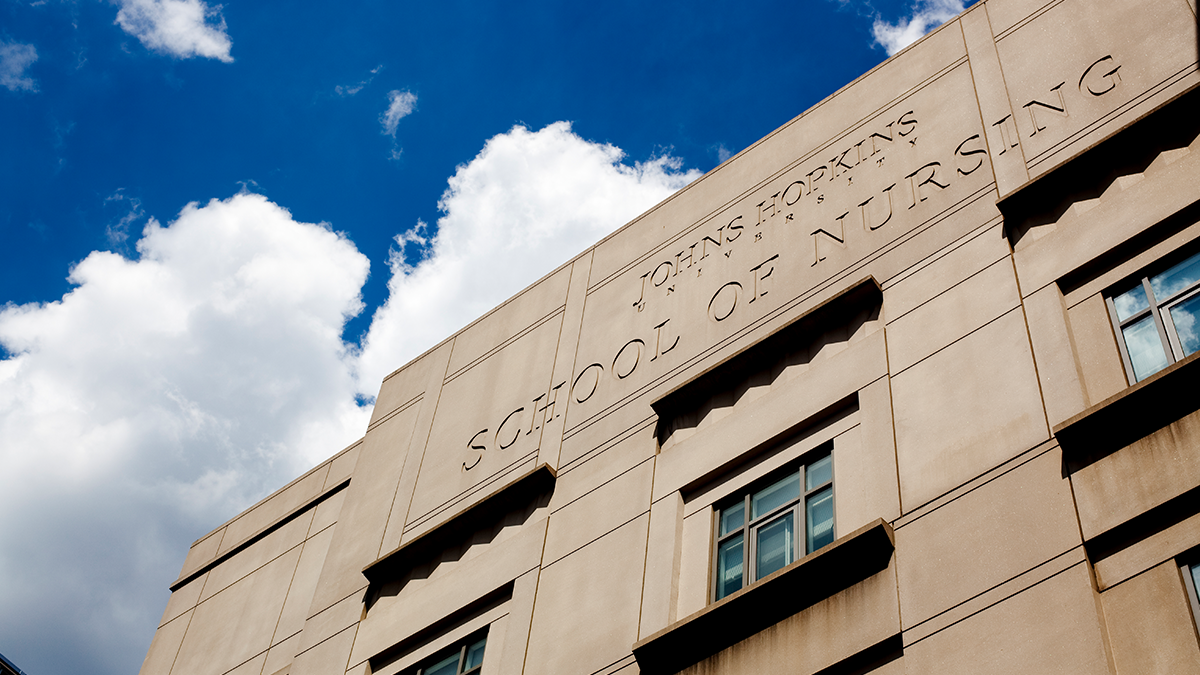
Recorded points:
(926, 15)
(150, 403)
(345, 90)
(181, 28)
(527, 203)
(15, 58)
(400, 105)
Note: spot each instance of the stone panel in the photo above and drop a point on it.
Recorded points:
(965, 547)
(165, 646)
(1150, 624)
(966, 409)
(235, 625)
(326, 658)
(291, 535)
(587, 605)
(304, 584)
(1050, 628)
(1062, 60)
(274, 508)
(573, 525)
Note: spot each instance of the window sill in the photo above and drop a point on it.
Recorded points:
(1132, 414)
(804, 583)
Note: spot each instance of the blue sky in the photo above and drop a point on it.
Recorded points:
(224, 224)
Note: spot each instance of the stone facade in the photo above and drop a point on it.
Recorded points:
(922, 278)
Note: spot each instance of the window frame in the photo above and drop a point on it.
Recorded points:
(750, 526)
(1185, 571)
(463, 648)
(1159, 309)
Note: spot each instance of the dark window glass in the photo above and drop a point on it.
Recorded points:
(465, 658)
(748, 549)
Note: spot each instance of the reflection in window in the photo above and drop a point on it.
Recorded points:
(1156, 317)
(462, 659)
(757, 532)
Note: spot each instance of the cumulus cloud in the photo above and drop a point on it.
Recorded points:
(926, 15)
(158, 397)
(527, 203)
(15, 58)
(181, 28)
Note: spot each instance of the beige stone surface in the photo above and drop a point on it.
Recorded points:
(1004, 150)
(184, 599)
(695, 562)
(516, 629)
(868, 480)
(357, 539)
(494, 330)
(393, 618)
(325, 624)
(965, 547)
(235, 625)
(735, 438)
(1050, 628)
(326, 658)
(304, 584)
(252, 667)
(165, 646)
(550, 447)
(660, 591)
(202, 552)
(1150, 624)
(1099, 357)
(280, 655)
(601, 464)
(575, 524)
(327, 512)
(943, 269)
(262, 551)
(1154, 549)
(275, 508)
(987, 379)
(417, 447)
(951, 315)
(404, 386)
(1154, 45)
(579, 625)
(502, 417)
(1059, 371)
(818, 637)
(342, 465)
(1137, 478)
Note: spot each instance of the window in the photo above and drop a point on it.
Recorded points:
(1191, 579)
(755, 532)
(1156, 317)
(464, 658)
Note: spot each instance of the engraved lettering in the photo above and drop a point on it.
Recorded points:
(829, 236)
(1060, 109)
(789, 189)
(637, 356)
(772, 207)
(658, 340)
(873, 136)
(717, 311)
(654, 275)
(760, 277)
(1007, 128)
(918, 195)
(733, 226)
(906, 123)
(1101, 84)
(866, 212)
(500, 429)
(595, 381)
(478, 448)
(679, 258)
(959, 152)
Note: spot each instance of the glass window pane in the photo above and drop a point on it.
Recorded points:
(475, 655)
(1196, 577)
(447, 666)
(1131, 302)
(733, 517)
(1145, 348)
(1176, 279)
(1184, 316)
(819, 529)
(818, 473)
(770, 498)
(729, 567)
(775, 547)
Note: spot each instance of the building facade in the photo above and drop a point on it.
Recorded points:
(908, 386)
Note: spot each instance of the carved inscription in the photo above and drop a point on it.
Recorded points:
(802, 206)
